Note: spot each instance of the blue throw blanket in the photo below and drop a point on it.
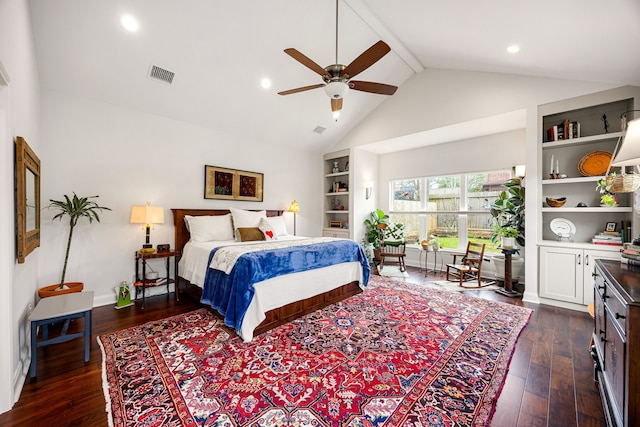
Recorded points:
(232, 293)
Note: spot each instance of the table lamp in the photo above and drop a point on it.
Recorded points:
(147, 215)
(295, 208)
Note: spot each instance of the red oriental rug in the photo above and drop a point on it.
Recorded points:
(398, 354)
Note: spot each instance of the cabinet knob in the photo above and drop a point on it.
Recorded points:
(594, 274)
(579, 259)
(603, 339)
(620, 316)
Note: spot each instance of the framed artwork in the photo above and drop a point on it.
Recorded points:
(611, 226)
(232, 184)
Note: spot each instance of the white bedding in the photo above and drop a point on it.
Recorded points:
(272, 293)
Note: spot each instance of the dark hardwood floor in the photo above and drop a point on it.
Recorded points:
(550, 380)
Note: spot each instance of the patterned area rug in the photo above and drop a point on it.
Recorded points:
(398, 354)
(447, 285)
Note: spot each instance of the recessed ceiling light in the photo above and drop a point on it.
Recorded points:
(265, 83)
(514, 48)
(129, 23)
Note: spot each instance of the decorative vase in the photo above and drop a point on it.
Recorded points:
(336, 169)
(54, 290)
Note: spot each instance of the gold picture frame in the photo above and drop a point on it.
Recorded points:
(27, 179)
(335, 224)
(232, 184)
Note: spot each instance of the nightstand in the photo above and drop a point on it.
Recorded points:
(141, 258)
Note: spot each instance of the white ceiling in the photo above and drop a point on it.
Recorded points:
(220, 51)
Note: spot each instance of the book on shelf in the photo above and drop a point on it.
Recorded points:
(606, 242)
(565, 130)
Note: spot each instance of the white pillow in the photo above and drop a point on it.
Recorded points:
(267, 230)
(208, 228)
(277, 222)
(244, 219)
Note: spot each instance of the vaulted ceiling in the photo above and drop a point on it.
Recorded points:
(221, 50)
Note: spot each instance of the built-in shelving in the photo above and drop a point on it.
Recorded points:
(337, 198)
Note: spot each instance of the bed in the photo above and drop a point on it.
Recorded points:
(277, 300)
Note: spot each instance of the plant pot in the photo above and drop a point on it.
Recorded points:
(508, 242)
(54, 290)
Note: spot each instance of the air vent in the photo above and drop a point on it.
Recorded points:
(319, 129)
(161, 74)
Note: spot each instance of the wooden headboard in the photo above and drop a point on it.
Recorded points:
(181, 232)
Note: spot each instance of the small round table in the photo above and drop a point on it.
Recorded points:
(435, 259)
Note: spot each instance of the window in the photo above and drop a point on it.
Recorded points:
(454, 209)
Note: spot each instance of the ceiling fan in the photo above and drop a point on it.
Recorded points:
(337, 77)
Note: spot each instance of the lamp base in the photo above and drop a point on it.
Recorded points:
(147, 250)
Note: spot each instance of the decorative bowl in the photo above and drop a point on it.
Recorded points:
(556, 202)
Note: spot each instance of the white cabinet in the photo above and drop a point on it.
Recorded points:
(336, 199)
(566, 272)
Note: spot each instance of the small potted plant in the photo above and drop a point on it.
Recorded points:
(74, 208)
(508, 236)
(607, 196)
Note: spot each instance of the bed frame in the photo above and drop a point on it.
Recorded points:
(277, 316)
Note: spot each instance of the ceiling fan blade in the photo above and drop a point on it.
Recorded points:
(300, 89)
(336, 104)
(304, 60)
(372, 87)
(366, 59)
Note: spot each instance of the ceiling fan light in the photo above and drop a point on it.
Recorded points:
(336, 90)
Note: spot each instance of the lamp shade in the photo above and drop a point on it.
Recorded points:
(295, 207)
(147, 214)
(629, 154)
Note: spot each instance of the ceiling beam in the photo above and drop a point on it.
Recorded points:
(360, 9)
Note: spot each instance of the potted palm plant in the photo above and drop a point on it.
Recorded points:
(74, 208)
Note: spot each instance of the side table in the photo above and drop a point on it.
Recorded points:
(56, 309)
(435, 260)
(141, 258)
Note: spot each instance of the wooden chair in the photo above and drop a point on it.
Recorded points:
(392, 245)
(470, 266)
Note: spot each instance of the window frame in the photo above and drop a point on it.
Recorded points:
(463, 212)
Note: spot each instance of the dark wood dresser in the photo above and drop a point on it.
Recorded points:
(616, 337)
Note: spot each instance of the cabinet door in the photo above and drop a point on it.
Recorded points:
(561, 274)
(614, 356)
(589, 263)
(599, 322)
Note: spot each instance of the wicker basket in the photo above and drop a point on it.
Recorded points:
(626, 183)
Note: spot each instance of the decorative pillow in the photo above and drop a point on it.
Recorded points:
(279, 227)
(243, 218)
(267, 230)
(210, 227)
(394, 233)
(250, 234)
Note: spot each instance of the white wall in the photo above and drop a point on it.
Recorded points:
(436, 98)
(19, 102)
(128, 158)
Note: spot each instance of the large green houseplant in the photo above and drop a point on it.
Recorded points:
(73, 208)
(508, 212)
(374, 232)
